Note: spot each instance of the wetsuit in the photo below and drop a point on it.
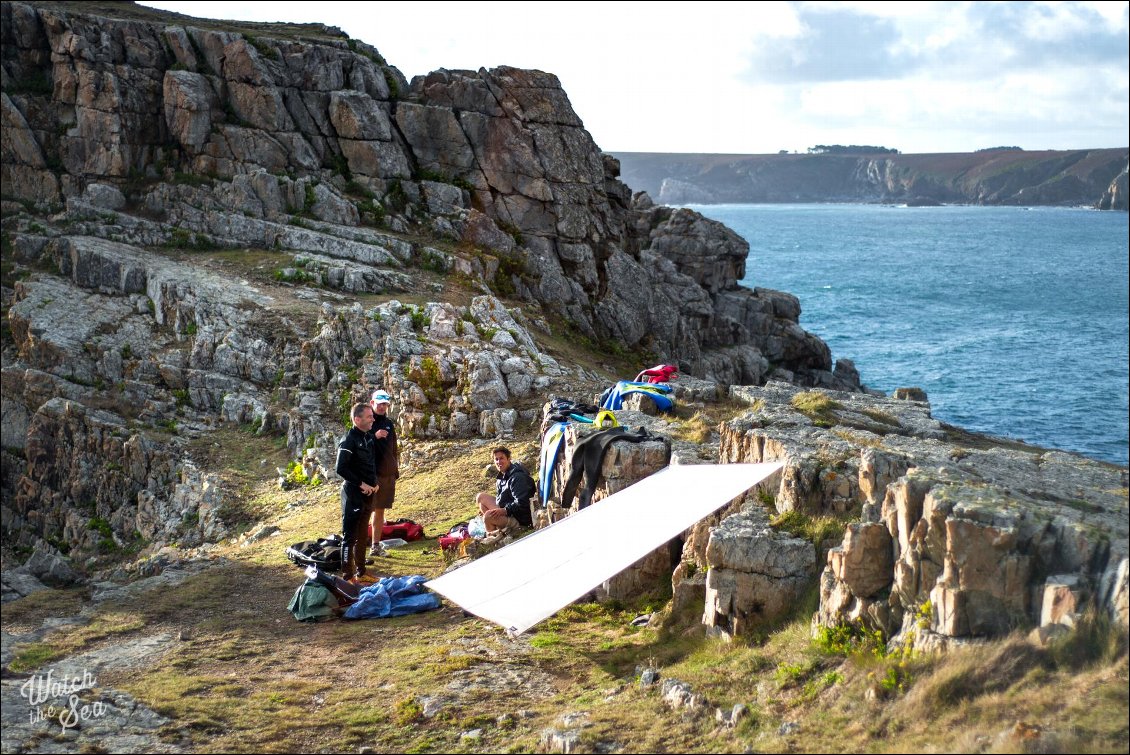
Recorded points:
(356, 463)
(588, 456)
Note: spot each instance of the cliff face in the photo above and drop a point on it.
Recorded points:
(1115, 197)
(955, 539)
(204, 225)
(1068, 178)
(313, 123)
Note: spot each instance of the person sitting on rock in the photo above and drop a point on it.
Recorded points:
(509, 507)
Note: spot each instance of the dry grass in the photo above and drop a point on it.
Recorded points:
(813, 402)
(697, 429)
(246, 677)
(816, 406)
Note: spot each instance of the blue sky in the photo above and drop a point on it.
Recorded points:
(761, 77)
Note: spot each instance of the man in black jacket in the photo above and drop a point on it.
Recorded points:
(383, 433)
(510, 505)
(356, 464)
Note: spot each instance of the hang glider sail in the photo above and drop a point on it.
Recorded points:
(531, 579)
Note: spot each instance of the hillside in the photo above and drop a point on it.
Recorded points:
(1095, 177)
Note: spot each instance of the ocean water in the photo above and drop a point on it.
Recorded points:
(1013, 320)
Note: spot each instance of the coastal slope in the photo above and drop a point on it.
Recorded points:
(1086, 177)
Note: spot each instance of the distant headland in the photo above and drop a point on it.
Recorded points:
(1001, 176)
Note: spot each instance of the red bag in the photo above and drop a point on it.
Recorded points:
(405, 529)
(454, 536)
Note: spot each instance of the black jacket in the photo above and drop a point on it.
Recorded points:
(515, 488)
(356, 462)
(385, 449)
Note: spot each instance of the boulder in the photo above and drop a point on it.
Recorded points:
(51, 567)
(756, 574)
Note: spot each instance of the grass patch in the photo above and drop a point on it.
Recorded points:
(969, 673)
(881, 417)
(71, 640)
(697, 429)
(816, 406)
(1095, 641)
(31, 657)
(29, 612)
(814, 529)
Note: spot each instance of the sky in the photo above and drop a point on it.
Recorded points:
(754, 78)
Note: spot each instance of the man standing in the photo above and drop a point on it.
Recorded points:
(510, 506)
(387, 459)
(356, 464)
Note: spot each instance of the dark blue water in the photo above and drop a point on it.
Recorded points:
(1013, 320)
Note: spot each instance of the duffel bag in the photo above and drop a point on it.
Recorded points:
(324, 553)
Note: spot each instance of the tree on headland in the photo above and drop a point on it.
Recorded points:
(1001, 149)
(850, 149)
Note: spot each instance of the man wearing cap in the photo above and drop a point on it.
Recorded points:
(387, 459)
(356, 466)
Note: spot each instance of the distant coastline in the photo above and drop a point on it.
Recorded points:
(1072, 178)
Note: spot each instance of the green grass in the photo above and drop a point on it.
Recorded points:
(817, 406)
(71, 640)
(814, 529)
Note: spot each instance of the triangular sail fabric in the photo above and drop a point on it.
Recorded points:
(531, 579)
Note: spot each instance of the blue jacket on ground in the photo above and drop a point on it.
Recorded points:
(393, 596)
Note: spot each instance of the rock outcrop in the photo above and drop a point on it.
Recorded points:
(193, 212)
(948, 536)
(270, 140)
(756, 574)
(1116, 196)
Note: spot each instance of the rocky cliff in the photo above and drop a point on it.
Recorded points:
(957, 536)
(1115, 197)
(251, 225)
(233, 138)
(238, 228)
(909, 526)
(997, 177)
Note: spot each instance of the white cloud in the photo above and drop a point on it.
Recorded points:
(677, 77)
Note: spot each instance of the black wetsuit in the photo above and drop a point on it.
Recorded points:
(356, 463)
(588, 456)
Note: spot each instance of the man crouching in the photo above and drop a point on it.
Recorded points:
(510, 506)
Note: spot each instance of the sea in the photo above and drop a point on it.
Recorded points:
(1014, 320)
